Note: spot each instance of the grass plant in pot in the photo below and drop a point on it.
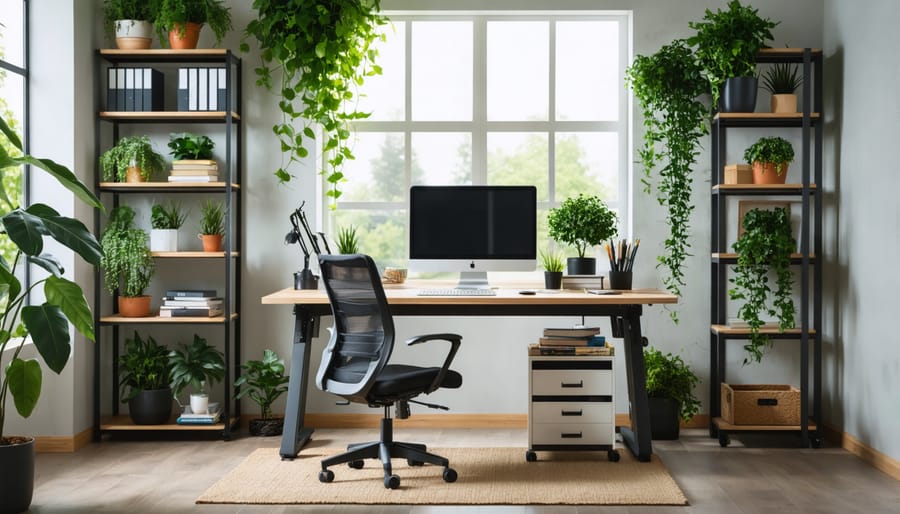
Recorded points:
(770, 157)
(670, 389)
(781, 81)
(144, 381)
(263, 382)
(582, 222)
(165, 220)
(347, 240)
(131, 22)
(132, 159)
(46, 326)
(178, 22)
(552, 261)
(197, 365)
(764, 249)
(212, 226)
(127, 263)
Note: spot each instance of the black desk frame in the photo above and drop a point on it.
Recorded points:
(624, 318)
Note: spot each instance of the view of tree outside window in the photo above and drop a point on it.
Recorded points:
(12, 105)
(493, 99)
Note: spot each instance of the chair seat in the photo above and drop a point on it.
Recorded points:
(404, 380)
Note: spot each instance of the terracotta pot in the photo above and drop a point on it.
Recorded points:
(134, 306)
(188, 40)
(133, 174)
(764, 173)
(211, 243)
(784, 103)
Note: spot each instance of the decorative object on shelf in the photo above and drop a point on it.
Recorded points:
(758, 404)
(319, 62)
(131, 21)
(165, 220)
(263, 382)
(303, 279)
(670, 388)
(196, 365)
(738, 174)
(765, 246)
(212, 226)
(782, 81)
(667, 85)
(582, 222)
(127, 263)
(552, 261)
(178, 22)
(144, 381)
(727, 43)
(132, 159)
(770, 157)
(46, 326)
(347, 240)
(187, 146)
(394, 275)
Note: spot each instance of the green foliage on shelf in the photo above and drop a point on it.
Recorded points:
(782, 79)
(131, 151)
(139, 10)
(552, 260)
(765, 246)
(168, 216)
(315, 56)
(126, 258)
(263, 382)
(347, 240)
(668, 376)
(212, 219)
(197, 365)
(190, 146)
(775, 150)
(143, 367)
(172, 13)
(582, 222)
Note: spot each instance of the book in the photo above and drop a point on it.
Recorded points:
(583, 281)
(193, 178)
(199, 168)
(175, 301)
(535, 349)
(563, 341)
(198, 419)
(194, 162)
(571, 332)
(192, 293)
(194, 173)
(182, 312)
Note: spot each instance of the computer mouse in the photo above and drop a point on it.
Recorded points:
(527, 291)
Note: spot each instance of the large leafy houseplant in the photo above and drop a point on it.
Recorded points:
(45, 325)
(315, 55)
(196, 365)
(263, 381)
(174, 14)
(143, 367)
(131, 151)
(764, 247)
(667, 85)
(668, 376)
(582, 222)
(126, 263)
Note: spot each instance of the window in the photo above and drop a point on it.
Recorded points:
(519, 98)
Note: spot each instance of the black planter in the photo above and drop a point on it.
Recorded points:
(151, 407)
(553, 280)
(739, 94)
(16, 477)
(581, 265)
(664, 418)
(266, 427)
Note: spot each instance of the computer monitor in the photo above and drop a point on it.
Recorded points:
(472, 230)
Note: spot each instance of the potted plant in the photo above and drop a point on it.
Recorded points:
(263, 382)
(764, 247)
(178, 22)
(165, 220)
(582, 222)
(212, 226)
(667, 86)
(45, 325)
(196, 365)
(670, 390)
(187, 146)
(132, 159)
(347, 240)
(727, 43)
(144, 381)
(782, 81)
(131, 21)
(127, 263)
(552, 261)
(770, 157)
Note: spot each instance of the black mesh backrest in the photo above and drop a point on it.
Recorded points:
(363, 335)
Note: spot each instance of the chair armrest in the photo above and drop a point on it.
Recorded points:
(454, 339)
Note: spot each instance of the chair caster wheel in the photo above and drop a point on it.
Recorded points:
(326, 475)
(412, 462)
(449, 475)
(530, 456)
(613, 456)
(356, 464)
(391, 482)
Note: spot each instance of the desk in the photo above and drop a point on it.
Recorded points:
(624, 312)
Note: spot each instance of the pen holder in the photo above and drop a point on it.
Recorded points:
(620, 280)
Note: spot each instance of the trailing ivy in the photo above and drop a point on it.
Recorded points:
(126, 260)
(315, 54)
(667, 85)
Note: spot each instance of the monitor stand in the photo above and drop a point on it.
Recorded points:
(473, 280)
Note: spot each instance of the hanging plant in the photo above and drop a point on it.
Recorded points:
(315, 54)
(667, 85)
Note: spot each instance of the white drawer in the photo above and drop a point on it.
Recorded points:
(572, 433)
(571, 382)
(572, 412)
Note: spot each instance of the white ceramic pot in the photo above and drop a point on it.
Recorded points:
(134, 34)
(164, 240)
(199, 403)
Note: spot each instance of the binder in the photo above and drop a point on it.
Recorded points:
(129, 89)
(120, 91)
(192, 89)
(153, 92)
(213, 90)
(138, 89)
(202, 89)
(111, 90)
(220, 96)
(182, 95)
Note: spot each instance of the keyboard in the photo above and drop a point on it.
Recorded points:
(456, 292)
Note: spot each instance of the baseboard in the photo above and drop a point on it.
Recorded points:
(878, 460)
(63, 444)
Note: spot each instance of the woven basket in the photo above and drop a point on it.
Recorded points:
(754, 404)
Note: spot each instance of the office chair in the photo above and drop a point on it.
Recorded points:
(355, 365)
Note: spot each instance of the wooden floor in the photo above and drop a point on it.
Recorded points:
(752, 475)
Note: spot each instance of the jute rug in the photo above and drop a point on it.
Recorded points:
(488, 476)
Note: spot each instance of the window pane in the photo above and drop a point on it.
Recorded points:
(587, 71)
(441, 70)
(442, 158)
(587, 162)
(519, 159)
(12, 109)
(383, 95)
(518, 70)
(382, 233)
(12, 22)
(378, 172)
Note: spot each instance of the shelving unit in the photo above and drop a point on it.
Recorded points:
(107, 327)
(807, 272)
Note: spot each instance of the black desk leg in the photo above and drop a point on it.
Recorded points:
(637, 437)
(295, 435)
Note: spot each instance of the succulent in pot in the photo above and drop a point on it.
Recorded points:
(552, 261)
(165, 220)
(781, 81)
(347, 240)
(212, 226)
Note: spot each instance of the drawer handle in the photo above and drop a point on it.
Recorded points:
(572, 435)
(572, 384)
(571, 412)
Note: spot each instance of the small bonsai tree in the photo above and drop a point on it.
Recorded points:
(190, 146)
(347, 240)
(668, 376)
(126, 261)
(212, 219)
(263, 382)
(173, 14)
(131, 151)
(143, 367)
(774, 150)
(582, 222)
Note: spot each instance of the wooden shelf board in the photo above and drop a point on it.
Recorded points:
(124, 423)
(762, 116)
(144, 186)
(763, 188)
(166, 115)
(164, 52)
(116, 319)
(736, 331)
(192, 255)
(795, 257)
(724, 425)
(768, 54)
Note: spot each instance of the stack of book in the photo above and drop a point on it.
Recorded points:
(582, 281)
(198, 419)
(571, 341)
(191, 302)
(194, 170)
